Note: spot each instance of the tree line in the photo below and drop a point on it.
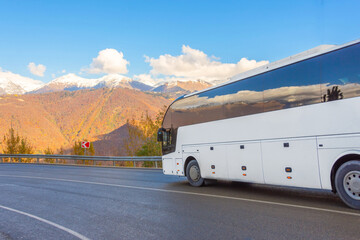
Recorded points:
(142, 136)
(13, 143)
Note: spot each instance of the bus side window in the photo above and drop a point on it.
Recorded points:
(341, 74)
(295, 85)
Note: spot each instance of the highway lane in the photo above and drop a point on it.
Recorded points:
(112, 203)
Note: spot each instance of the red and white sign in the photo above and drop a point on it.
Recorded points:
(85, 144)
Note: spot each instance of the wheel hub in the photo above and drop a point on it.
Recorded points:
(352, 184)
(194, 173)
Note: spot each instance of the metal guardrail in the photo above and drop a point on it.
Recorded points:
(54, 159)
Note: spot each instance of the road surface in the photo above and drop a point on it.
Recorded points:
(70, 202)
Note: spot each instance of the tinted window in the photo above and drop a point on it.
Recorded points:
(291, 86)
(197, 108)
(232, 100)
(244, 97)
(341, 74)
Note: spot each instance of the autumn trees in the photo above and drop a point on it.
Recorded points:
(140, 140)
(142, 135)
(15, 144)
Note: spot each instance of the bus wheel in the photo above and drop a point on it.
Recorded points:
(347, 182)
(193, 174)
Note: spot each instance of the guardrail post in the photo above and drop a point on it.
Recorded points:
(155, 164)
(57, 161)
(113, 163)
(1, 161)
(134, 164)
(11, 159)
(37, 160)
(94, 163)
(19, 160)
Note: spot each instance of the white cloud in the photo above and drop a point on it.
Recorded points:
(37, 70)
(108, 61)
(194, 64)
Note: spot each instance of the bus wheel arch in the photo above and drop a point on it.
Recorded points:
(188, 159)
(342, 160)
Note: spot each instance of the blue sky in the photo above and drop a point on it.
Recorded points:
(67, 35)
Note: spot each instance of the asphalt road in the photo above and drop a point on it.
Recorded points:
(65, 202)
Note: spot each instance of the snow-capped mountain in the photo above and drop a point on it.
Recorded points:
(65, 82)
(11, 83)
(73, 82)
(116, 80)
(8, 87)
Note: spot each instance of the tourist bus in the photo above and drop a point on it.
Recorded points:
(294, 122)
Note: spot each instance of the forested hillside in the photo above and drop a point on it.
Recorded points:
(58, 119)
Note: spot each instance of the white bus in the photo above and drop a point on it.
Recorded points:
(294, 122)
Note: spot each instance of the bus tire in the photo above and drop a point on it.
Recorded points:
(347, 182)
(193, 174)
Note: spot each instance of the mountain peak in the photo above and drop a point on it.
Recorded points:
(12, 83)
(73, 82)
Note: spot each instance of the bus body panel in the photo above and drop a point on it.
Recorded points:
(334, 124)
(168, 164)
(245, 162)
(213, 161)
(291, 162)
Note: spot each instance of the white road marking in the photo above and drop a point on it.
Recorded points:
(191, 193)
(76, 234)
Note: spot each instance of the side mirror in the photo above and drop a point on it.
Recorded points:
(160, 135)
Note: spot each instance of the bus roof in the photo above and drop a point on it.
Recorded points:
(319, 50)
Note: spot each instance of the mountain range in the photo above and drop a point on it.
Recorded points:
(15, 84)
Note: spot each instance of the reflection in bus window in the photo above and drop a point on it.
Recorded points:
(341, 74)
(333, 94)
(292, 86)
